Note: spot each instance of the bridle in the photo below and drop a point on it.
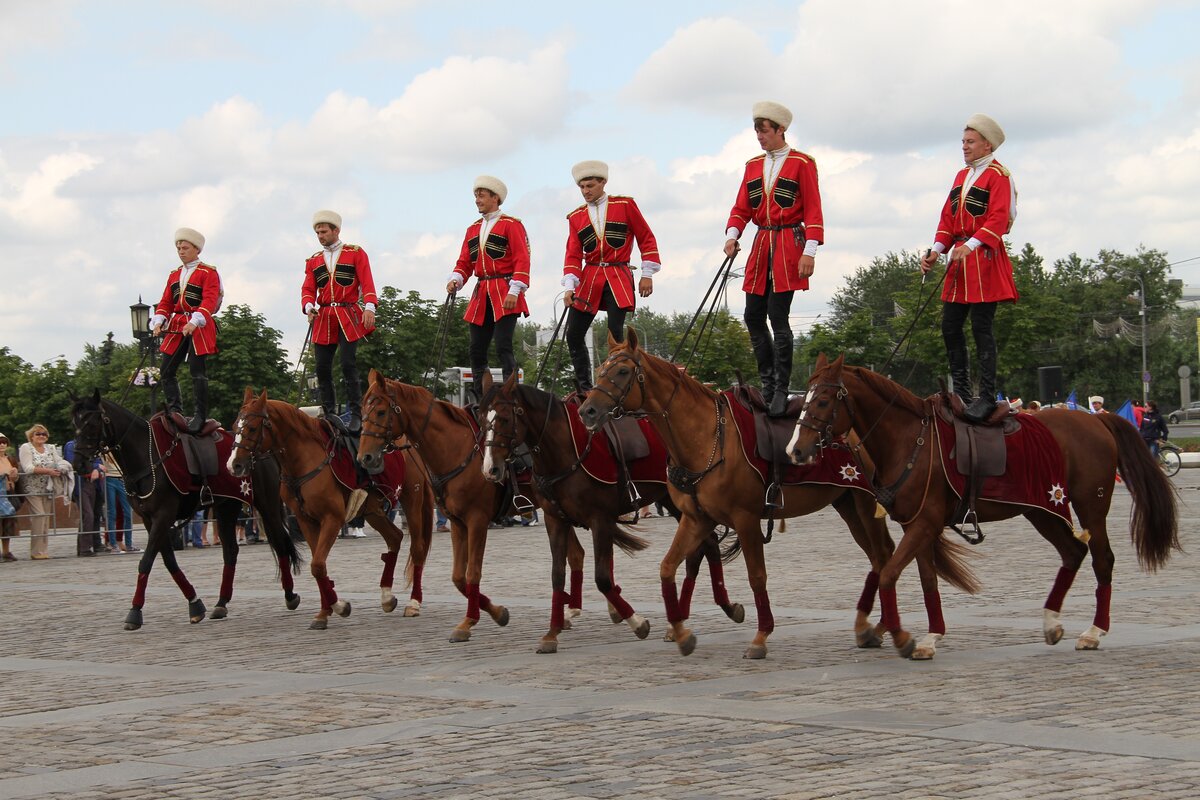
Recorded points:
(242, 430)
(638, 378)
(99, 447)
(824, 427)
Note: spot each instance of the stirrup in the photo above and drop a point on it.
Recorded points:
(974, 536)
(774, 497)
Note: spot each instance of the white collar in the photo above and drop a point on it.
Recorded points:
(981, 163)
(781, 152)
(331, 248)
(600, 201)
(492, 216)
(192, 264)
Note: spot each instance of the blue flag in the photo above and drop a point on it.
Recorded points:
(1126, 412)
(1072, 403)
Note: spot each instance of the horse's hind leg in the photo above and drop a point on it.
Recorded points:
(602, 547)
(226, 512)
(273, 521)
(393, 537)
(926, 649)
(688, 536)
(857, 510)
(560, 534)
(1072, 552)
(196, 609)
(420, 528)
(710, 549)
(575, 560)
(321, 538)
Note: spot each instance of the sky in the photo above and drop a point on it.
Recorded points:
(124, 120)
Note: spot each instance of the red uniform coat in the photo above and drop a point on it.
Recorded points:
(787, 213)
(202, 293)
(337, 296)
(503, 257)
(984, 212)
(599, 260)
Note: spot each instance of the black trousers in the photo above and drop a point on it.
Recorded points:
(481, 337)
(983, 315)
(196, 363)
(348, 353)
(772, 348)
(578, 324)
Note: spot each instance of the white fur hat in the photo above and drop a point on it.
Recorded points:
(1016, 404)
(589, 169)
(328, 218)
(772, 111)
(1095, 398)
(988, 128)
(190, 235)
(492, 184)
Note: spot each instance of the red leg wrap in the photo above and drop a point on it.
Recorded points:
(1062, 583)
(328, 595)
(888, 609)
(226, 583)
(762, 604)
(613, 595)
(671, 601)
(389, 568)
(1103, 601)
(473, 601)
(189, 593)
(139, 594)
(416, 586)
(685, 596)
(933, 607)
(576, 599)
(866, 601)
(557, 601)
(285, 574)
(716, 573)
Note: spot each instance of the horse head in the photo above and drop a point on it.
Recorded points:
(251, 433)
(87, 414)
(502, 425)
(618, 375)
(383, 423)
(819, 421)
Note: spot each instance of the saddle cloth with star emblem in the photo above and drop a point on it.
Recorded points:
(1035, 474)
(170, 451)
(596, 453)
(835, 467)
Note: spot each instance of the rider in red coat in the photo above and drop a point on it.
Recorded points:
(336, 278)
(184, 316)
(495, 250)
(977, 214)
(780, 195)
(597, 270)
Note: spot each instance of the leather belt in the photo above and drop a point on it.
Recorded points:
(607, 264)
(336, 305)
(495, 277)
(781, 227)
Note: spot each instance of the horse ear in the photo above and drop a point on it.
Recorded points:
(487, 381)
(263, 396)
(247, 395)
(96, 395)
(511, 383)
(631, 337)
(375, 378)
(822, 361)
(838, 362)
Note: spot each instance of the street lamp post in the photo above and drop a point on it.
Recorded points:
(139, 319)
(1142, 313)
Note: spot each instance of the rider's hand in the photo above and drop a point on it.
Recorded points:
(568, 297)
(646, 286)
(369, 320)
(510, 302)
(929, 260)
(731, 247)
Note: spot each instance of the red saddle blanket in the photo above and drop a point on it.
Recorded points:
(835, 467)
(1035, 474)
(170, 452)
(389, 481)
(601, 464)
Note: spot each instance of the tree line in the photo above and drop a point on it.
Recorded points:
(1067, 316)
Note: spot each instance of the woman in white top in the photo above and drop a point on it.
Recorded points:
(41, 464)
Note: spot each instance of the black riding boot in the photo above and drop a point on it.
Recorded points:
(171, 397)
(329, 404)
(985, 404)
(354, 407)
(782, 349)
(582, 362)
(764, 356)
(200, 397)
(960, 373)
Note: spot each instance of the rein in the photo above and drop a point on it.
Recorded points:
(294, 484)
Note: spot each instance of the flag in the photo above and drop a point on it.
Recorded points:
(1126, 412)
(1072, 403)
(1000, 398)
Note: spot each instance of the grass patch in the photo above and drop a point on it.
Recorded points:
(1188, 444)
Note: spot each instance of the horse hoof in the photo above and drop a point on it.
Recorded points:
(546, 646)
(687, 645)
(572, 613)
(669, 636)
(642, 630)
(906, 650)
(319, 624)
(736, 612)
(613, 615)
(133, 620)
(342, 608)
(220, 612)
(459, 635)
(389, 605)
(501, 616)
(413, 609)
(566, 626)
(923, 654)
(196, 611)
(292, 601)
(1054, 635)
(1087, 643)
(755, 652)
(868, 638)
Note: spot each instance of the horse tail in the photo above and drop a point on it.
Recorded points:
(280, 539)
(731, 551)
(950, 563)
(627, 541)
(1153, 521)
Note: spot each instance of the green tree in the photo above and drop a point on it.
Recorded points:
(251, 354)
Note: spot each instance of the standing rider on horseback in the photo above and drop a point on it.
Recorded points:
(192, 296)
(336, 278)
(978, 213)
(780, 195)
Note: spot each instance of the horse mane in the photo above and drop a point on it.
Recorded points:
(419, 394)
(886, 387)
(282, 408)
(685, 380)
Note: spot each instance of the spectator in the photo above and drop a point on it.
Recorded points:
(197, 529)
(443, 524)
(87, 481)
(1033, 406)
(120, 515)
(1153, 427)
(9, 474)
(44, 475)
(1097, 404)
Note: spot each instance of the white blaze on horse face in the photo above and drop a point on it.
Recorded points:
(237, 439)
(490, 427)
(791, 445)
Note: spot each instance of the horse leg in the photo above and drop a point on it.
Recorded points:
(1102, 567)
(918, 536)
(575, 559)
(226, 518)
(750, 537)
(688, 536)
(458, 574)
(711, 550)
(196, 609)
(559, 534)
(857, 510)
(1072, 552)
(325, 534)
(926, 649)
(606, 582)
(133, 620)
(393, 537)
(272, 522)
(498, 613)
(420, 526)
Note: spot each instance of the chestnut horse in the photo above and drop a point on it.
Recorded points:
(305, 448)
(717, 484)
(104, 425)
(515, 414)
(893, 425)
(446, 439)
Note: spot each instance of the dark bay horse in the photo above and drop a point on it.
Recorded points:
(104, 425)
(894, 424)
(308, 454)
(445, 437)
(513, 414)
(715, 483)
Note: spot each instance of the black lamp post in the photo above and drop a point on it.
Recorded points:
(139, 318)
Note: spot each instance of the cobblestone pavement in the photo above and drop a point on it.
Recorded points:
(379, 706)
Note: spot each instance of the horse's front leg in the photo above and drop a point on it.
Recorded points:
(476, 600)
(459, 535)
(688, 536)
(926, 649)
(603, 530)
(226, 519)
(750, 537)
(575, 560)
(918, 537)
(393, 537)
(196, 609)
(559, 534)
(326, 534)
(133, 620)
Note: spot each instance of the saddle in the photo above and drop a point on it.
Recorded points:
(979, 452)
(199, 450)
(773, 433)
(627, 439)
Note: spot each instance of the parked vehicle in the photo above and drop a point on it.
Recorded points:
(1191, 412)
